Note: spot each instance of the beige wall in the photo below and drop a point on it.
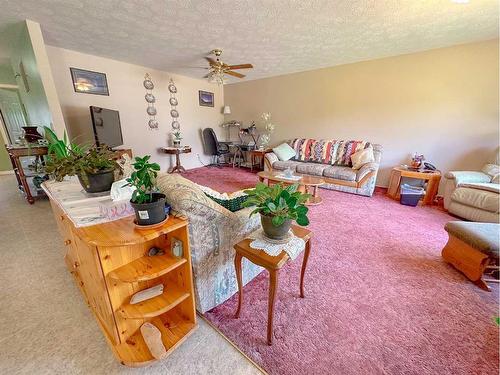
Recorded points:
(442, 103)
(126, 95)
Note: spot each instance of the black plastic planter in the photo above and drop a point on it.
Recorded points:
(150, 213)
(98, 182)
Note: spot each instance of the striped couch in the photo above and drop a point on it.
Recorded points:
(331, 159)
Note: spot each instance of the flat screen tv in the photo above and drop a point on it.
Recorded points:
(106, 125)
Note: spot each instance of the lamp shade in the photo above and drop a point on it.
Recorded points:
(227, 110)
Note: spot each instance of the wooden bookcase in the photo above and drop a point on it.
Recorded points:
(110, 263)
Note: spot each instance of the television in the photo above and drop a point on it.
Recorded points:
(106, 125)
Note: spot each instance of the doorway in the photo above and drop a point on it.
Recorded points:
(12, 114)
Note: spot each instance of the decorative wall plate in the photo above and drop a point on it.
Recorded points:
(174, 113)
(172, 88)
(148, 84)
(150, 99)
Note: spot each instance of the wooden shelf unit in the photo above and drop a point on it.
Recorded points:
(110, 263)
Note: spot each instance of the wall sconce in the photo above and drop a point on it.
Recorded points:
(226, 110)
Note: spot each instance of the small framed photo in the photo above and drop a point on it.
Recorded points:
(206, 98)
(89, 82)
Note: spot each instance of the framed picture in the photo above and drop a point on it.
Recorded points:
(206, 98)
(89, 82)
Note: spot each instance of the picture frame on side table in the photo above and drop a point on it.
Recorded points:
(206, 98)
(89, 82)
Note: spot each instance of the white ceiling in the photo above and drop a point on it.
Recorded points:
(276, 36)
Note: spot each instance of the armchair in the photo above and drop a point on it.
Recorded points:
(474, 195)
(213, 230)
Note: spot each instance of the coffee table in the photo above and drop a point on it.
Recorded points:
(308, 184)
(272, 264)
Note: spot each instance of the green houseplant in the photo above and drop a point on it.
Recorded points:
(177, 138)
(148, 204)
(278, 206)
(93, 165)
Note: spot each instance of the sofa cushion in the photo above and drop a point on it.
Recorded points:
(284, 152)
(473, 197)
(362, 157)
(480, 236)
(313, 169)
(282, 165)
(340, 173)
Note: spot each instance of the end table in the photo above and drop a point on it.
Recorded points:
(176, 151)
(272, 264)
(258, 155)
(432, 178)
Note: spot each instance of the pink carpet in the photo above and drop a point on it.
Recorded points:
(379, 298)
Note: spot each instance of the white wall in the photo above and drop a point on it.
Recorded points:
(442, 103)
(126, 95)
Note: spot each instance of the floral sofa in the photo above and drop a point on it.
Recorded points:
(330, 159)
(213, 230)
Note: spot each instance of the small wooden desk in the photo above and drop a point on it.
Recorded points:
(176, 151)
(16, 152)
(258, 155)
(432, 179)
(272, 264)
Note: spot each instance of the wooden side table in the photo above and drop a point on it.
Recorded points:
(258, 155)
(432, 179)
(176, 151)
(272, 264)
(15, 154)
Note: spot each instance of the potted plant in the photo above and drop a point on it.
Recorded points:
(93, 165)
(177, 139)
(148, 204)
(278, 207)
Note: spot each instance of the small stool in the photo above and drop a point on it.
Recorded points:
(272, 264)
(472, 248)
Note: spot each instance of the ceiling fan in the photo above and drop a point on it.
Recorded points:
(218, 69)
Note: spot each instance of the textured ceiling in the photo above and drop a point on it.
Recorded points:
(276, 36)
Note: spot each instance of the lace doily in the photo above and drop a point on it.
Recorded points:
(293, 246)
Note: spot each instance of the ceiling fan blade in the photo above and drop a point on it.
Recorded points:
(234, 74)
(241, 66)
(211, 61)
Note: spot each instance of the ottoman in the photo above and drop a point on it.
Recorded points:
(471, 248)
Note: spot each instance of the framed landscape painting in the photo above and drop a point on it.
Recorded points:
(206, 98)
(89, 82)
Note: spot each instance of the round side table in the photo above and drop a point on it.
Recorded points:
(177, 151)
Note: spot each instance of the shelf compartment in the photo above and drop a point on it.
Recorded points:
(174, 330)
(153, 307)
(146, 268)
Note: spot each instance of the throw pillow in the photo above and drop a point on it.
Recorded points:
(362, 157)
(496, 179)
(491, 170)
(284, 152)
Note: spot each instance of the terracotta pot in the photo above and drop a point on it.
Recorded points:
(272, 231)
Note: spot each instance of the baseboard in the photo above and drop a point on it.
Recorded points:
(6, 172)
